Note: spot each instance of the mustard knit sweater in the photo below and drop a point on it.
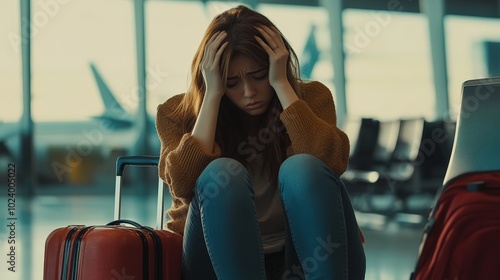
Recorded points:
(310, 124)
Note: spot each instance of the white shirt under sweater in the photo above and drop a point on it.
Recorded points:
(270, 213)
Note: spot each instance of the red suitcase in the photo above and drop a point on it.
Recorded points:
(462, 237)
(120, 250)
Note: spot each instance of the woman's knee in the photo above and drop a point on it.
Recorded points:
(302, 173)
(223, 178)
(301, 162)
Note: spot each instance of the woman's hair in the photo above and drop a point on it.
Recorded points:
(240, 25)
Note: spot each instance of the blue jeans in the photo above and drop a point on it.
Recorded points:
(222, 235)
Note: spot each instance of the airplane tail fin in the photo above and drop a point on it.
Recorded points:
(110, 102)
(113, 111)
(310, 54)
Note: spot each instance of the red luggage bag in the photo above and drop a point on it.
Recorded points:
(462, 237)
(122, 249)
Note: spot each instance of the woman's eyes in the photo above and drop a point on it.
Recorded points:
(231, 83)
(260, 76)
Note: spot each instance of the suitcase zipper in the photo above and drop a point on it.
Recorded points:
(76, 252)
(145, 252)
(66, 254)
(158, 260)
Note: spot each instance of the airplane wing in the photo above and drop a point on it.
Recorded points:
(7, 130)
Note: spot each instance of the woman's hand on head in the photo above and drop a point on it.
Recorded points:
(278, 54)
(210, 68)
(206, 121)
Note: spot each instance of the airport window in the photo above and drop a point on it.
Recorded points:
(170, 46)
(81, 50)
(388, 65)
(69, 37)
(471, 45)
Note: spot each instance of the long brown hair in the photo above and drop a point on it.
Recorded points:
(239, 23)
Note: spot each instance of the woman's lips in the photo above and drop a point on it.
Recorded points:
(254, 105)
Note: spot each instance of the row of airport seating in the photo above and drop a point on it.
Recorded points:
(400, 157)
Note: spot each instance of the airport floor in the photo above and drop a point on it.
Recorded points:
(391, 248)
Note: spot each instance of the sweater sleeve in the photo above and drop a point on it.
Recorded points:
(311, 124)
(182, 158)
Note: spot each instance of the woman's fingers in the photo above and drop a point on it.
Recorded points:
(274, 46)
(210, 63)
(219, 52)
(213, 45)
(272, 37)
(263, 44)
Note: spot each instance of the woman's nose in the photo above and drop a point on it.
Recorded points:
(248, 90)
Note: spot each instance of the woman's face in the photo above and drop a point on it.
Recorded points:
(247, 85)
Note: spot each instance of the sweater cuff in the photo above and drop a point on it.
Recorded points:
(192, 150)
(186, 164)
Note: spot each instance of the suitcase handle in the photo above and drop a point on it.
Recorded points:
(123, 161)
(119, 222)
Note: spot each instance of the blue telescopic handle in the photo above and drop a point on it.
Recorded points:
(121, 162)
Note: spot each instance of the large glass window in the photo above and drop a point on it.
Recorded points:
(466, 46)
(171, 44)
(388, 65)
(67, 39)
